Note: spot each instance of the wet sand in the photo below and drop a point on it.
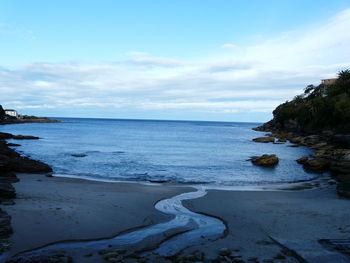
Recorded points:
(297, 219)
(259, 223)
(55, 209)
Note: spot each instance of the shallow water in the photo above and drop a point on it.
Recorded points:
(181, 151)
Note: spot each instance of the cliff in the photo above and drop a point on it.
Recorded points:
(319, 108)
(319, 119)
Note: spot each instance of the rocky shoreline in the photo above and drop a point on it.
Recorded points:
(332, 152)
(28, 120)
(11, 163)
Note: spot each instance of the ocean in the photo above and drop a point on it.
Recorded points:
(152, 150)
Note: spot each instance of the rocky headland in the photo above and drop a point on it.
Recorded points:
(11, 162)
(7, 119)
(320, 120)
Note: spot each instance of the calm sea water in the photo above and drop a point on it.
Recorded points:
(181, 151)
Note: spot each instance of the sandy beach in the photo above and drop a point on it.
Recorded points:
(263, 226)
(50, 209)
(260, 223)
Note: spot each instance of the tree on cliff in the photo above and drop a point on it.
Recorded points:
(2, 113)
(320, 107)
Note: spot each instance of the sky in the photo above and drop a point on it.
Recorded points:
(220, 60)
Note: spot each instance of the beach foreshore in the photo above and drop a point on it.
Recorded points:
(51, 209)
(259, 223)
(277, 226)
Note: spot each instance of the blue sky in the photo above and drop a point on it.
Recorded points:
(194, 59)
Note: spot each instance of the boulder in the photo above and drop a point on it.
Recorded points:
(4, 164)
(316, 165)
(282, 140)
(340, 163)
(343, 178)
(26, 165)
(343, 189)
(296, 140)
(320, 145)
(7, 190)
(264, 139)
(312, 139)
(266, 160)
(302, 160)
(79, 155)
(5, 224)
(225, 252)
(342, 140)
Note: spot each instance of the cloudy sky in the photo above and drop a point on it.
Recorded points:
(182, 59)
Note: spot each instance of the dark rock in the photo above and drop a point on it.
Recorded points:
(297, 140)
(316, 165)
(333, 182)
(343, 178)
(13, 144)
(4, 135)
(5, 224)
(294, 145)
(24, 137)
(343, 189)
(2, 113)
(264, 139)
(79, 155)
(41, 258)
(7, 190)
(8, 177)
(26, 165)
(4, 163)
(312, 139)
(302, 160)
(341, 140)
(225, 252)
(266, 160)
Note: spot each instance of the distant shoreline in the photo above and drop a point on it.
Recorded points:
(35, 120)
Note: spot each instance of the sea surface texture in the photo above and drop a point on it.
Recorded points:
(146, 150)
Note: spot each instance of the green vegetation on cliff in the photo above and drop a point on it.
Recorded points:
(318, 108)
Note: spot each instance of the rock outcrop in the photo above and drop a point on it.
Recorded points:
(2, 113)
(264, 139)
(265, 160)
(11, 162)
(320, 120)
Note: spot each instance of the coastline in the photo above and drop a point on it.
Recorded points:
(79, 209)
(332, 153)
(35, 120)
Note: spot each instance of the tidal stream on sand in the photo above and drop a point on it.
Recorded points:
(188, 228)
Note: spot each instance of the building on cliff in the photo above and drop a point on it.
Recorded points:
(11, 113)
(328, 81)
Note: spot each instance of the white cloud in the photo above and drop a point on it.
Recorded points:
(157, 62)
(229, 46)
(256, 78)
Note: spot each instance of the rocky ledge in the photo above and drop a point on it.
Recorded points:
(332, 153)
(10, 163)
(28, 120)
